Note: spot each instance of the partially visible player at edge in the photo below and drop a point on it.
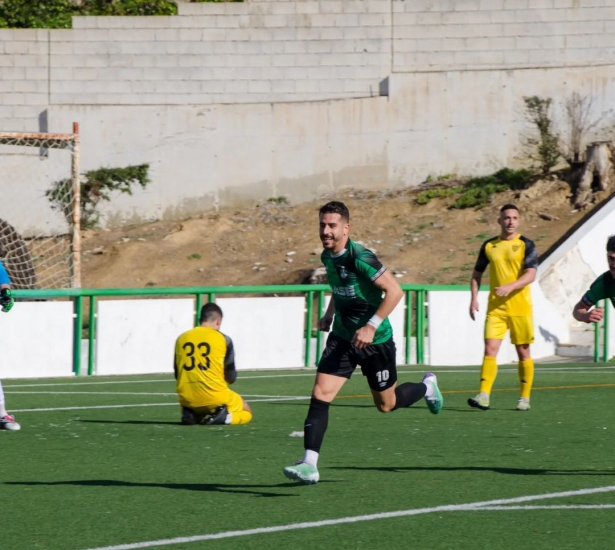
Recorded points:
(603, 287)
(7, 422)
(512, 261)
(204, 367)
(361, 335)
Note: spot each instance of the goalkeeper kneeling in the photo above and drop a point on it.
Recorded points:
(204, 367)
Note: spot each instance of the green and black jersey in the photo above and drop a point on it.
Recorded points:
(603, 287)
(351, 274)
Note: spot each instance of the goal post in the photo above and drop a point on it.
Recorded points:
(40, 239)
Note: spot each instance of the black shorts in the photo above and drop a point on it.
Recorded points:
(377, 361)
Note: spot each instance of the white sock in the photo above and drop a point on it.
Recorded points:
(229, 418)
(430, 393)
(311, 458)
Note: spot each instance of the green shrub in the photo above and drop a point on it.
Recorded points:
(129, 7)
(477, 192)
(26, 14)
(57, 14)
(96, 186)
(545, 149)
(438, 193)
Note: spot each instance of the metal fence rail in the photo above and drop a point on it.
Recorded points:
(414, 297)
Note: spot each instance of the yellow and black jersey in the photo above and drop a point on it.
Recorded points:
(204, 361)
(507, 260)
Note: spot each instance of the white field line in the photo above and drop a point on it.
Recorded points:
(175, 403)
(549, 370)
(552, 507)
(475, 506)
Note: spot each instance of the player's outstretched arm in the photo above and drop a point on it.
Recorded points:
(587, 313)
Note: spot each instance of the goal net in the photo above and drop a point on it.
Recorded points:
(40, 209)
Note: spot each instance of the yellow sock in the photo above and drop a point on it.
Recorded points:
(526, 377)
(488, 372)
(241, 417)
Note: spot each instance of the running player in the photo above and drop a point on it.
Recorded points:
(361, 335)
(7, 422)
(512, 261)
(204, 367)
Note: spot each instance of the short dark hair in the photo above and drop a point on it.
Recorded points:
(335, 207)
(210, 312)
(508, 207)
(610, 244)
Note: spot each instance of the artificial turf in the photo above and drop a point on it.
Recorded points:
(90, 477)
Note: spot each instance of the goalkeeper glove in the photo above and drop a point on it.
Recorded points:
(6, 299)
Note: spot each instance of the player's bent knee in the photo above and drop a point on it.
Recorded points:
(385, 408)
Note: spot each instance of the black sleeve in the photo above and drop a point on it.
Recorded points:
(531, 254)
(482, 262)
(230, 373)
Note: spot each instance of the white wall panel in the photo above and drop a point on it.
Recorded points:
(267, 332)
(138, 336)
(37, 340)
(457, 340)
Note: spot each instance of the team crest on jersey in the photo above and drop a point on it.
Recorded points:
(343, 272)
(515, 247)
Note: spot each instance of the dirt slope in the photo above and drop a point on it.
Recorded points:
(276, 243)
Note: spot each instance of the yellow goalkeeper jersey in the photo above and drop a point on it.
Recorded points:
(507, 260)
(202, 355)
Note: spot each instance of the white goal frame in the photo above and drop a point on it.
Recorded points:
(70, 142)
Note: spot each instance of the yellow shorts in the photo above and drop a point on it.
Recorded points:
(521, 328)
(232, 400)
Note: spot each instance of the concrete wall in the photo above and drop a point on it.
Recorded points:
(234, 102)
(568, 273)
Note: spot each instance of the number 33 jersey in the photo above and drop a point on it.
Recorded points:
(200, 358)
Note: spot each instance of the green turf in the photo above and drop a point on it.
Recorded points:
(90, 478)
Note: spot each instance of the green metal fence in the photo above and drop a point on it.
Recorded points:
(415, 316)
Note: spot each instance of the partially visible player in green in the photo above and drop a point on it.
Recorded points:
(361, 335)
(603, 287)
(204, 367)
(512, 261)
(7, 422)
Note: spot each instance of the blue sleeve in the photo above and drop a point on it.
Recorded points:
(4, 276)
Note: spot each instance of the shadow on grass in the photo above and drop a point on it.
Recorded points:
(204, 487)
(495, 469)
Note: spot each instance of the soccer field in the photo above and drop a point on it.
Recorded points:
(103, 463)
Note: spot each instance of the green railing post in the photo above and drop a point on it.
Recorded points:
(91, 335)
(211, 297)
(420, 327)
(198, 305)
(408, 334)
(321, 303)
(605, 332)
(308, 328)
(596, 342)
(78, 314)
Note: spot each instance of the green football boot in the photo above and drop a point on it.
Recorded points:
(302, 471)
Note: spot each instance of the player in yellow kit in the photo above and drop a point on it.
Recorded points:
(512, 261)
(204, 367)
